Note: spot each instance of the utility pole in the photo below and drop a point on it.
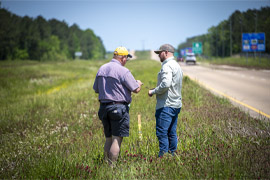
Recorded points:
(241, 22)
(255, 21)
(223, 40)
(216, 44)
(255, 29)
(230, 36)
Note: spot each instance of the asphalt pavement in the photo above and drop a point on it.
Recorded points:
(247, 88)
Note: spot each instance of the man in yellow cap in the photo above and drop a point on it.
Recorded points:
(114, 84)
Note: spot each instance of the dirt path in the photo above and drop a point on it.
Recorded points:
(154, 56)
(132, 52)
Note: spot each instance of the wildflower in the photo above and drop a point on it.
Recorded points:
(126, 151)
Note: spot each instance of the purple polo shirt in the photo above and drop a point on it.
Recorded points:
(114, 82)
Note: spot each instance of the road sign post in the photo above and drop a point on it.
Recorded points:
(78, 54)
(197, 48)
(253, 42)
(176, 54)
(185, 51)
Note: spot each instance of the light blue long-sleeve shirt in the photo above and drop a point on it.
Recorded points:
(169, 85)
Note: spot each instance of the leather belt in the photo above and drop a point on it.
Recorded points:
(112, 103)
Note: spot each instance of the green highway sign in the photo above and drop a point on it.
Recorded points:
(197, 47)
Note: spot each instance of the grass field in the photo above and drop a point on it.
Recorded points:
(251, 62)
(141, 55)
(50, 130)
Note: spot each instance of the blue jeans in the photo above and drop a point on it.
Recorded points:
(166, 123)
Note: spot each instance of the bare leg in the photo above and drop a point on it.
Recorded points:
(107, 147)
(115, 148)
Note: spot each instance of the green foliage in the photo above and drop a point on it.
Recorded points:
(50, 49)
(142, 55)
(217, 41)
(20, 54)
(92, 46)
(49, 128)
(38, 39)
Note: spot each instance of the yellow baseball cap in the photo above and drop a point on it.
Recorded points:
(122, 51)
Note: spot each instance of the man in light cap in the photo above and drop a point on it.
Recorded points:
(169, 99)
(114, 84)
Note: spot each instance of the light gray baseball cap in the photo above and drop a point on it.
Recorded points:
(165, 47)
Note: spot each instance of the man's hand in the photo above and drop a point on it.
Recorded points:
(139, 88)
(139, 82)
(150, 92)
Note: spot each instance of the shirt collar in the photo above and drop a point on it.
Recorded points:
(116, 61)
(166, 60)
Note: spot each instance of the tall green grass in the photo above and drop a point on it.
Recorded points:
(142, 55)
(50, 130)
(250, 62)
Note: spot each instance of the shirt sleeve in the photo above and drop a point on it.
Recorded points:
(95, 86)
(165, 80)
(130, 82)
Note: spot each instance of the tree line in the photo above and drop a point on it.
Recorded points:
(38, 39)
(225, 39)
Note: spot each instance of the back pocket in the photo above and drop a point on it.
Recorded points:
(116, 113)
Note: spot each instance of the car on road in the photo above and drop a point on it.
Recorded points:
(180, 59)
(190, 57)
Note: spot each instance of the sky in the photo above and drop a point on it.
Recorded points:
(136, 24)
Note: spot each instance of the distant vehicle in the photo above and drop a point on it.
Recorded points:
(191, 58)
(180, 59)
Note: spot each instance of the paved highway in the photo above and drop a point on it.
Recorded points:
(248, 89)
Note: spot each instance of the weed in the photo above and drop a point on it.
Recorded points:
(50, 129)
